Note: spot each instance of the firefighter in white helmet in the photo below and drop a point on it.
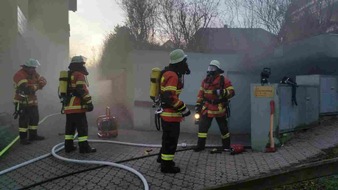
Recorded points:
(79, 102)
(27, 82)
(212, 102)
(174, 109)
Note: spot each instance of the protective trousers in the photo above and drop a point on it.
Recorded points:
(28, 122)
(76, 121)
(204, 125)
(171, 132)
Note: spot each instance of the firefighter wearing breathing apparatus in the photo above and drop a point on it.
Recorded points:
(76, 104)
(27, 82)
(174, 109)
(212, 102)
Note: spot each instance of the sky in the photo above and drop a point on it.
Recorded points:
(89, 25)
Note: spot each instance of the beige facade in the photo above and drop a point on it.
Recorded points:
(33, 29)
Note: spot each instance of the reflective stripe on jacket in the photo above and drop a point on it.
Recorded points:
(23, 82)
(207, 92)
(78, 104)
(171, 87)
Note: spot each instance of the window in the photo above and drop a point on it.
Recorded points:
(22, 22)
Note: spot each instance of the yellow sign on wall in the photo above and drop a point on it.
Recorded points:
(264, 91)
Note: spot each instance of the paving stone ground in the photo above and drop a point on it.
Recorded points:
(198, 170)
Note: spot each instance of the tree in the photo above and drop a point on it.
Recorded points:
(267, 14)
(116, 49)
(306, 19)
(320, 14)
(175, 20)
(270, 13)
(237, 14)
(179, 20)
(141, 17)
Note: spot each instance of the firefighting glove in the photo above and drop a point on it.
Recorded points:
(185, 112)
(90, 107)
(198, 108)
(32, 89)
(42, 82)
(220, 92)
(16, 110)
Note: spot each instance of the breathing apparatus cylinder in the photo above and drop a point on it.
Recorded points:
(155, 83)
(63, 83)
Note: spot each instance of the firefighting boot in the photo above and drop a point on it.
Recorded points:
(167, 167)
(33, 136)
(69, 146)
(85, 148)
(23, 138)
(200, 145)
(159, 159)
(226, 144)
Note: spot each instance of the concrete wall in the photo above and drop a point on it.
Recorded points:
(240, 105)
(8, 44)
(144, 61)
(46, 38)
(49, 43)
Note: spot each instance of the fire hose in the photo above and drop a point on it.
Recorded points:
(17, 138)
(60, 146)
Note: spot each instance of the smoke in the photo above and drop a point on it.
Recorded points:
(111, 82)
(52, 57)
(105, 93)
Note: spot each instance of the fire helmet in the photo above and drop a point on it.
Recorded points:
(78, 59)
(31, 63)
(177, 56)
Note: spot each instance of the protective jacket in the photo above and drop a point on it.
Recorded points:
(170, 88)
(25, 87)
(214, 104)
(78, 93)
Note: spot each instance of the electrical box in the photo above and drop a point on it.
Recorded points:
(308, 106)
(302, 115)
(260, 114)
(327, 91)
(288, 115)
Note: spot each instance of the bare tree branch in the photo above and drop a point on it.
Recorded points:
(181, 19)
(141, 17)
(313, 18)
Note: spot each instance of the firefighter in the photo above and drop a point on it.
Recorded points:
(174, 109)
(78, 103)
(27, 82)
(212, 102)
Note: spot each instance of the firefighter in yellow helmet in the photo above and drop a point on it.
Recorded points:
(212, 102)
(79, 102)
(27, 82)
(174, 109)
